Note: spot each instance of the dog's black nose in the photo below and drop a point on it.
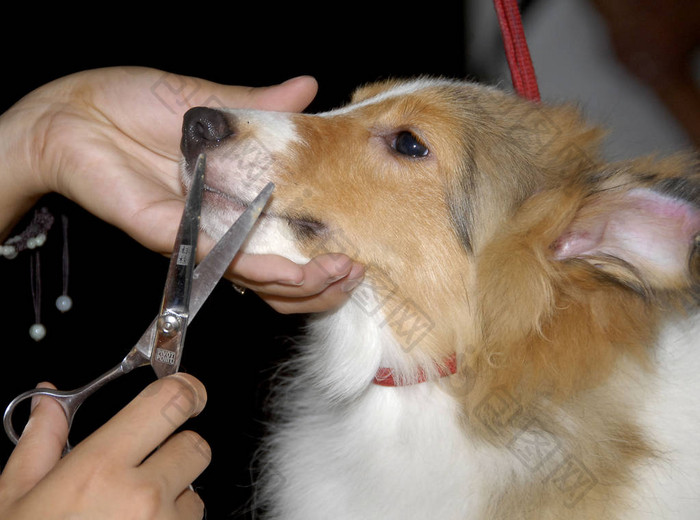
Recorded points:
(203, 128)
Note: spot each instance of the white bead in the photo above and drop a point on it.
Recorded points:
(37, 332)
(40, 239)
(10, 252)
(64, 303)
(31, 243)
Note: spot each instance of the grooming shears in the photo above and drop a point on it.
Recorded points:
(186, 289)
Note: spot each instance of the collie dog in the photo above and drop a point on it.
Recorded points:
(525, 344)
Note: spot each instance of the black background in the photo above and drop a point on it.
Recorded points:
(115, 283)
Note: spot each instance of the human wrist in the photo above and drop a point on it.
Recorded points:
(20, 186)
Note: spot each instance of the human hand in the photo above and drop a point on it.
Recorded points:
(114, 473)
(108, 139)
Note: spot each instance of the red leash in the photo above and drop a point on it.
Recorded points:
(521, 70)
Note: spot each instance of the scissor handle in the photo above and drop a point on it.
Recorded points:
(70, 400)
(67, 400)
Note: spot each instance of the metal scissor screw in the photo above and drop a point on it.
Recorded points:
(169, 324)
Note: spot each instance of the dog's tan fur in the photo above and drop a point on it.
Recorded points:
(475, 233)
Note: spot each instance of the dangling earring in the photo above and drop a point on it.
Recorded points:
(37, 331)
(64, 302)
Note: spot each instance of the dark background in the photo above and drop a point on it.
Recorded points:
(237, 341)
(115, 283)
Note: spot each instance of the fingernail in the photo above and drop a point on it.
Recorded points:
(355, 277)
(295, 283)
(295, 279)
(198, 393)
(331, 281)
(37, 398)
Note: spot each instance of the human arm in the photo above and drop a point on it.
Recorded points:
(108, 139)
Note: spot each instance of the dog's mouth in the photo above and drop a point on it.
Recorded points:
(303, 226)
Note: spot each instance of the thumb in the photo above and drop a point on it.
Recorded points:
(40, 446)
(294, 95)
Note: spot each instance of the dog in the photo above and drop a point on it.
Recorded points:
(525, 342)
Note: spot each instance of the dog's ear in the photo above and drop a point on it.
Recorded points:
(646, 237)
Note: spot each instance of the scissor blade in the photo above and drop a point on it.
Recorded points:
(171, 324)
(206, 276)
(212, 268)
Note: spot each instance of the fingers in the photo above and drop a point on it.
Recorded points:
(292, 95)
(272, 274)
(107, 471)
(150, 418)
(332, 269)
(40, 446)
(178, 462)
(262, 270)
(190, 506)
(328, 299)
(322, 284)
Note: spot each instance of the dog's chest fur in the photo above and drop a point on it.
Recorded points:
(394, 453)
(349, 449)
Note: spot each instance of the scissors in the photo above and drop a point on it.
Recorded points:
(186, 289)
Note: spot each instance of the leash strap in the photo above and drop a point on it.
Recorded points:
(521, 70)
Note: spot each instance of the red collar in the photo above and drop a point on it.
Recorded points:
(385, 376)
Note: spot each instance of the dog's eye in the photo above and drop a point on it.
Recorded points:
(408, 144)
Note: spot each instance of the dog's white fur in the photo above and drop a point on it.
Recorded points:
(344, 448)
